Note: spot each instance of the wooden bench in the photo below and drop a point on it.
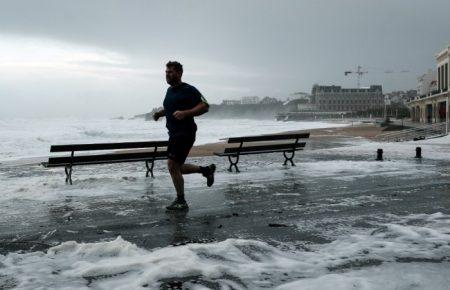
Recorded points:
(154, 150)
(259, 145)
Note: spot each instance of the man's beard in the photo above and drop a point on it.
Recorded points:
(172, 81)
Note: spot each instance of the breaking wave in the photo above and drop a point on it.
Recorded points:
(411, 253)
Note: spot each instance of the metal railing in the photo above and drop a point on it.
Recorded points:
(430, 94)
(419, 132)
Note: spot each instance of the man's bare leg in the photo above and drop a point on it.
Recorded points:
(190, 168)
(177, 178)
(207, 171)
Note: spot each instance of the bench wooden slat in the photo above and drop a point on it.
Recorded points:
(105, 158)
(252, 152)
(107, 146)
(261, 148)
(267, 137)
(45, 164)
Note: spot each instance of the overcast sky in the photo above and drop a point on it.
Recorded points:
(107, 58)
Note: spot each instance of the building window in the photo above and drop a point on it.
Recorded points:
(439, 78)
(442, 78)
(446, 76)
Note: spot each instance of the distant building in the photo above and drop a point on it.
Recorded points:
(410, 95)
(250, 100)
(400, 97)
(338, 99)
(231, 102)
(302, 107)
(294, 105)
(434, 106)
(299, 95)
(427, 83)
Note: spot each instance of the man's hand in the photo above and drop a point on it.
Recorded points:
(180, 115)
(158, 114)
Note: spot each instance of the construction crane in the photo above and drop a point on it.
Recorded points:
(359, 73)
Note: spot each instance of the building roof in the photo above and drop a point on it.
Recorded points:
(442, 52)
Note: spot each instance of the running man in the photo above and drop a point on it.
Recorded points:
(182, 103)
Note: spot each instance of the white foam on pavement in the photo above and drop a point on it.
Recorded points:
(410, 252)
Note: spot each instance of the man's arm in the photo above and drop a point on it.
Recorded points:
(159, 114)
(198, 110)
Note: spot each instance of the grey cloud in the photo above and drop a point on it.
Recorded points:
(258, 47)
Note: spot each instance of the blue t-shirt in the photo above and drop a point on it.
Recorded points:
(179, 98)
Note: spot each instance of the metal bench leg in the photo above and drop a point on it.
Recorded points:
(68, 170)
(233, 164)
(286, 159)
(149, 168)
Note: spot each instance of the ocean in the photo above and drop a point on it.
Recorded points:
(27, 138)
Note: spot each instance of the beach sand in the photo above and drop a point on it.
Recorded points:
(368, 131)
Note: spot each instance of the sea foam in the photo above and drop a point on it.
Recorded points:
(410, 252)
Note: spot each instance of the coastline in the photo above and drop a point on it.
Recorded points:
(364, 130)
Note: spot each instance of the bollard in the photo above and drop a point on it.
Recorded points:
(380, 154)
(418, 152)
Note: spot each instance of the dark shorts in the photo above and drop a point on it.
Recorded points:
(179, 147)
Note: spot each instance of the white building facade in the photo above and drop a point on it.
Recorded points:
(427, 83)
(231, 102)
(337, 99)
(434, 106)
(250, 100)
